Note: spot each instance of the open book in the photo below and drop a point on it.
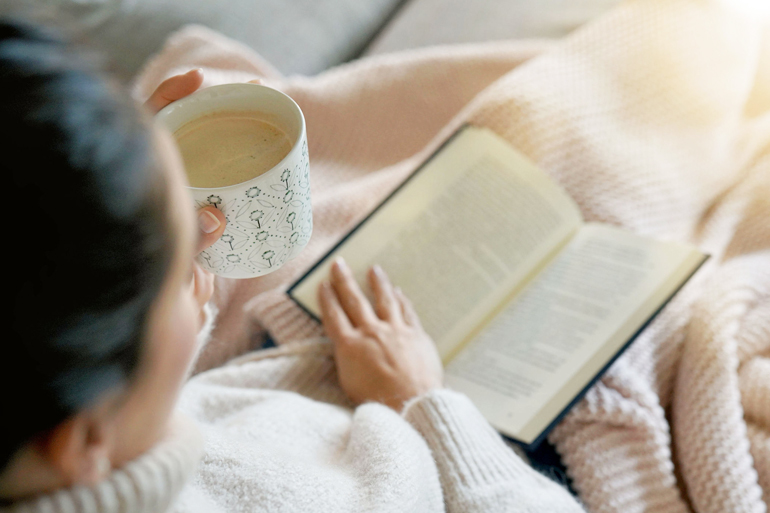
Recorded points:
(527, 303)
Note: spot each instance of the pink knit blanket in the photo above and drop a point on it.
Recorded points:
(655, 117)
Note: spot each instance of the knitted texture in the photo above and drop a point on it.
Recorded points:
(150, 483)
(471, 456)
(655, 117)
(282, 436)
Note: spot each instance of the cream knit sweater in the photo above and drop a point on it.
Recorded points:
(655, 117)
(280, 436)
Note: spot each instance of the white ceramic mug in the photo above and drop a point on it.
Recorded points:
(269, 219)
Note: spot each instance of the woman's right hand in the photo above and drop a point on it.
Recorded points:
(381, 351)
(211, 226)
(211, 221)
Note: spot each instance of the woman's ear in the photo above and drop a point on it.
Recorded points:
(78, 449)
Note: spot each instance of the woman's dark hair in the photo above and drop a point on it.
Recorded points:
(95, 241)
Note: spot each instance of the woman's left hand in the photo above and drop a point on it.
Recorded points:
(381, 351)
(211, 221)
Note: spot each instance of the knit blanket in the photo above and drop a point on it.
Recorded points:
(655, 117)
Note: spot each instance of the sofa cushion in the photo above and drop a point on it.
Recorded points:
(433, 22)
(298, 36)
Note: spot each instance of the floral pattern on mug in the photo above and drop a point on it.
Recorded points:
(266, 224)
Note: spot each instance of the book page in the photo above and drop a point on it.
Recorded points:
(541, 350)
(459, 236)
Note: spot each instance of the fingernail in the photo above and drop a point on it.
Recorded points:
(341, 264)
(378, 271)
(208, 222)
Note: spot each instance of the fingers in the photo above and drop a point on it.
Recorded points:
(211, 226)
(386, 305)
(203, 285)
(174, 88)
(335, 320)
(407, 310)
(350, 296)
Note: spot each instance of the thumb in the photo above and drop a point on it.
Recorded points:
(174, 88)
(211, 225)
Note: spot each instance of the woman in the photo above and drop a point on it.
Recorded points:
(109, 309)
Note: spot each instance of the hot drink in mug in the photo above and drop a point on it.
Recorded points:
(244, 147)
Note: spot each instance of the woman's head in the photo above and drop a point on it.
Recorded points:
(100, 284)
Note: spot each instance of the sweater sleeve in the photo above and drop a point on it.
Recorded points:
(478, 472)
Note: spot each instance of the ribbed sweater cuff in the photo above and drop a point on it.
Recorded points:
(466, 448)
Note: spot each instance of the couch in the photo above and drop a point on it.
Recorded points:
(306, 36)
